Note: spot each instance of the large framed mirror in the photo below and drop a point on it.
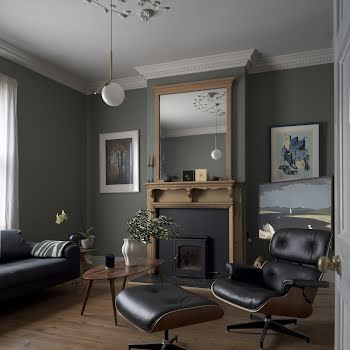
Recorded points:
(193, 128)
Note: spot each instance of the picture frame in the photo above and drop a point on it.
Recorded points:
(201, 175)
(119, 162)
(306, 204)
(295, 152)
(188, 175)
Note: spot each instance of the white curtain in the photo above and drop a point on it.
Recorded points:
(9, 216)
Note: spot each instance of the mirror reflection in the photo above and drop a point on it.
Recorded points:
(193, 129)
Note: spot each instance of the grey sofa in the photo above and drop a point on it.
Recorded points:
(22, 274)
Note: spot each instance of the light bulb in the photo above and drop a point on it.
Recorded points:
(113, 94)
(216, 154)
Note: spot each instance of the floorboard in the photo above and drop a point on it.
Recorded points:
(52, 320)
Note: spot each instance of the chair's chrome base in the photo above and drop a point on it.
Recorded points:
(266, 323)
(166, 344)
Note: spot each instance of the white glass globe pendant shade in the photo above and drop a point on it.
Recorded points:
(113, 94)
(216, 154)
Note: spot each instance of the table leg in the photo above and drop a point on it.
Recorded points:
(111, 283)
(124, 283)
(160, 273)
(87, 293)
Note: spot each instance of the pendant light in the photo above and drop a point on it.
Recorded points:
(216, 154)
(112, 93)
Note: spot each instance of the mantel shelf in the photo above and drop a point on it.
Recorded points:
(191, 187)
(224, 194)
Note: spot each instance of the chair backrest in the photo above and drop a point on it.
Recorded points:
(296, 252)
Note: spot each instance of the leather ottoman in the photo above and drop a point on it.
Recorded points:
(160, 307)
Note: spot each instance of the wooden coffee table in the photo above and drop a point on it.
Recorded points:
(119, 271)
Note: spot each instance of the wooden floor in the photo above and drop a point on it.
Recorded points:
(53, 321)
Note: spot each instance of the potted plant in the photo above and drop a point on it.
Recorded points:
(88, 241)
(143, 228)
(85, 237)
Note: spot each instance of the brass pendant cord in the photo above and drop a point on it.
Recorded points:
(216, 125)
(111, 55)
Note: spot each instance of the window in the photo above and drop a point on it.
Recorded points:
(8, 154)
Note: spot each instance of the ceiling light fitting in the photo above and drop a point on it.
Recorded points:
(145, 9)
(112, 93)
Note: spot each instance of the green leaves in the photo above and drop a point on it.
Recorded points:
(143, 227)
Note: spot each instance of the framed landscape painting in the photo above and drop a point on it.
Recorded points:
(296, 204)
(294, 152)
(119, 162)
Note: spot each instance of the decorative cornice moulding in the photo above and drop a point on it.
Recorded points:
(290, 61)
(24, 59)
(251, 59)
(129, 83)
(196, 65)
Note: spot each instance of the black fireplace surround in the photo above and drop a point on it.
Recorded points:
(201, 250)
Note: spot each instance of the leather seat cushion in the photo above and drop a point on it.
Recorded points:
(165, 306)
(33, 269)
(246, 295)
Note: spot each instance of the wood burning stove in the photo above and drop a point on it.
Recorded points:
(190, 256)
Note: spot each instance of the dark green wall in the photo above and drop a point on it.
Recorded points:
(58, 132)
(51, 147)
(286, 97)
(109, 211)
(193, 152)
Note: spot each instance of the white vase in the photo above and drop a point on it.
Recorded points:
(87, 243)
(131, 250)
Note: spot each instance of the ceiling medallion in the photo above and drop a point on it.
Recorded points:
(145, 9)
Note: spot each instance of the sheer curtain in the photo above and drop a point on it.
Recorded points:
(9, 217)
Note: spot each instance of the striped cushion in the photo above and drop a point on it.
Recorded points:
(49, 249)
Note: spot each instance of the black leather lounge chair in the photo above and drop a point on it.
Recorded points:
(285, 286)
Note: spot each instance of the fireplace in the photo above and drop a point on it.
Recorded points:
(205, 231)
(209, 208)
(190, 257)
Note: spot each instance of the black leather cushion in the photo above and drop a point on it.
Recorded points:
(144, 306)
(13, 246)
(275, 272)
(19, 272)
(300, 245)
(247, 295)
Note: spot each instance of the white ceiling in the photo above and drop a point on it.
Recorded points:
(75, 37)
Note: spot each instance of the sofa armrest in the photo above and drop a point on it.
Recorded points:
(286, 284)
(71, 252)
(245, 273)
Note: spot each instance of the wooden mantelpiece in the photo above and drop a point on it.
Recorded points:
(206, 194)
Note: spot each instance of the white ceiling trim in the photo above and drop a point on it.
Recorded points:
(193, 131)
(11, 53)
(248, 58)
(130, 83)
(196, 65)
(294, 60)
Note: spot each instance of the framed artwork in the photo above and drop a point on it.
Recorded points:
(119, 162)
(296, 204)
(294, 152)
(200, 174)
(188, 175)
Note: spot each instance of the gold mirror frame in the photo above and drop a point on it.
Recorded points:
(225, 83)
